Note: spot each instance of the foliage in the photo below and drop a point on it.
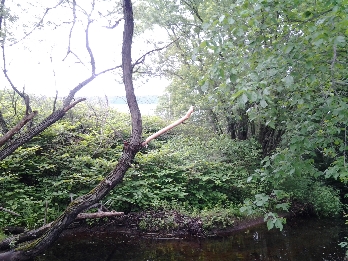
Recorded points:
(218, 218)
(2, 236)
(268, 80)
(192, 171)
(270, 71)
(194, 168)
(65, 161)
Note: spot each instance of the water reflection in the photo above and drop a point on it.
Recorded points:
(305, 240)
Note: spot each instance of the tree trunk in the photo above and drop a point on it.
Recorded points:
(269, 138)
(32, 249)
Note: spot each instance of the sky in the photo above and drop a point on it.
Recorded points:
(37, 63)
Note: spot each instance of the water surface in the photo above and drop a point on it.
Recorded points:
(303, 240)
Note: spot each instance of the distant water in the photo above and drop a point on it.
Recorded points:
(145, 109)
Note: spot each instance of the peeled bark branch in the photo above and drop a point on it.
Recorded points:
(169, 127)
(99, 215)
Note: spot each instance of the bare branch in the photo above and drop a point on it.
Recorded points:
(334, 58)
(87, 39)
(55, 102)
(24, 96)
(194, 9)
(108, 70)
(9, 211)
(115, 25)
(142, 58)
(65, 109)
(2, 7)
(169, 127)
(16, 128)
(39, 23)
(71, 29)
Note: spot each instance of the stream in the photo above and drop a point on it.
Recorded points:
(300, 240)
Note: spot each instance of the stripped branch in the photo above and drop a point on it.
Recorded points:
(99, 215)
(169, 127)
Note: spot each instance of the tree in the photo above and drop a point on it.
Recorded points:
(270, 71)
(31, 249)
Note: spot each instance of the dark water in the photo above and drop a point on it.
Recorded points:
(304, 240)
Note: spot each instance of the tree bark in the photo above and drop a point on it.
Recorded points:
(32, 249)
(8, 135)
(32, 132)
(51, 232)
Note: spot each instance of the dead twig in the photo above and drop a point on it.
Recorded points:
(39, 23)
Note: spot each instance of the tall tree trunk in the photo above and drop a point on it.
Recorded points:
(269, 138)
(231, 127)
(28, 251)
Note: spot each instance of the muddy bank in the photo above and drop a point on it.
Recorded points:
(158, 224)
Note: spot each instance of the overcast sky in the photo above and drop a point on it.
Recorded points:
(36, 62)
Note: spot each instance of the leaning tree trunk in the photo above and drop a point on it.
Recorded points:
(36, 247)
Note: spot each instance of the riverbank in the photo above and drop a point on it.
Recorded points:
(164, 224)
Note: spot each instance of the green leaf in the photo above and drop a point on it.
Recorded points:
(263, 103)
(237, 94)
(205, 86)
(288, 80)
(222, 18)
(289, 49)
(231, 20)
(244, 98)
(203, 44)
(233, 78)
(279, 224)
(318, 42)
(340, 40)
(270, 224)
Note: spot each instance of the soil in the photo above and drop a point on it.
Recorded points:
(157, 224)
